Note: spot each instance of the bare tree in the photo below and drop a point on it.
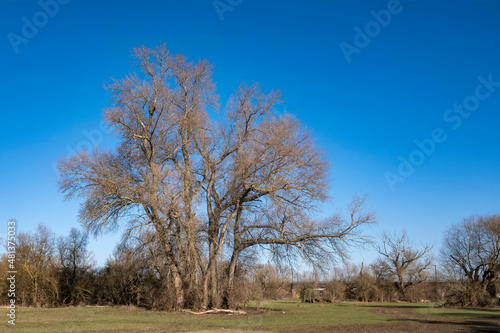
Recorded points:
(403, 261)
(204, 185)
(473, 249)
(76, 268)
(37, 284)
(270, 282)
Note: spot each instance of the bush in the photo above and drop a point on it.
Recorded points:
(467, 294)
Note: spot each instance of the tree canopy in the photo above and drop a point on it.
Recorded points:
(206, 182)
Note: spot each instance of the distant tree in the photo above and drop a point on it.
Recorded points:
(76, 268)
(122, 280)
(351, 281)
(382, 270)
(472, 248)
(346, 273)
(37, 283)
(204, 183)
(402, 261)
(4, 283)
(270, 281)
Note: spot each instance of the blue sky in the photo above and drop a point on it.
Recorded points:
(366, 110)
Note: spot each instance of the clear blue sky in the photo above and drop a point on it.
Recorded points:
(397, 87)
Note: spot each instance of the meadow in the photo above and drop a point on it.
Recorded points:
(266, 316)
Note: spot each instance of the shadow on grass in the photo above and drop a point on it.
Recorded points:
(497, 310)
(402, 306)
(264, 310)
(468, 315)
(472, 326)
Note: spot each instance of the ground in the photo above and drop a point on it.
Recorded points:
(270, 316)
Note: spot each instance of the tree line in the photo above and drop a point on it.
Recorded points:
(468, 275)
(58, 271)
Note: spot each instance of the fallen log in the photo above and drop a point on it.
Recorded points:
(217, 311)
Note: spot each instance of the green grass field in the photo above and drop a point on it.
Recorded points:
(269, 316)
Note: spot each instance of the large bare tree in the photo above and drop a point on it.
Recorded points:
(403, 261)
(472, 248)
(203, 181)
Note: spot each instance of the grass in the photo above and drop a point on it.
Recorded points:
(304, 315)
(286, 316)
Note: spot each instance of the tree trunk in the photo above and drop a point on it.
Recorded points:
(229, 300)
(213, 278)
(179, 292)
(205, 291)
(210, 299)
